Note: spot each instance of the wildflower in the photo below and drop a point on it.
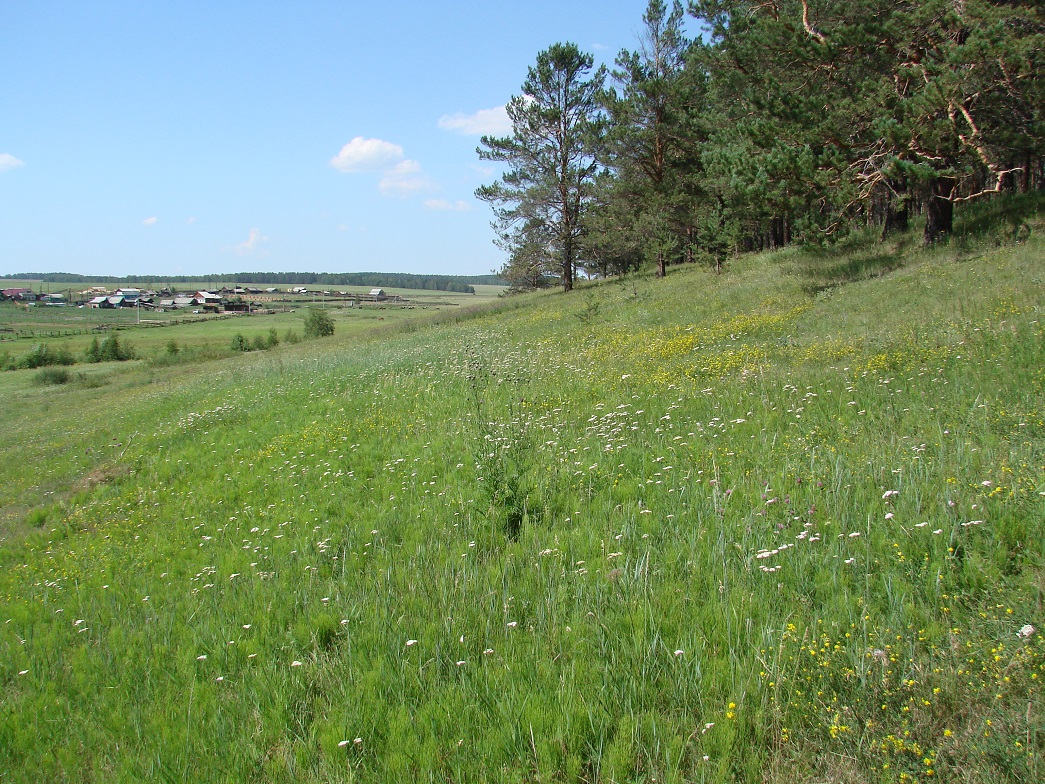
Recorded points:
(295, 663)
(411, 642)
(679, 652)
(343, 743)
(461, 663)
(201, 657)
(512, 624)
(220, 679)
(1026, 631)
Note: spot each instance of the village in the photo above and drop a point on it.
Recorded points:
(225, 300)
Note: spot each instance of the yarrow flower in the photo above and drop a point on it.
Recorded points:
(1026, 631)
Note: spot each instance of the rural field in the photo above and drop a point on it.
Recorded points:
(783, 523)
(73, 328)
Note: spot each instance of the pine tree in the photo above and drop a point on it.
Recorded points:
(552, 154)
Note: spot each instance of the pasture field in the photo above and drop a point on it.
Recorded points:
(780, 524)
(73, 328)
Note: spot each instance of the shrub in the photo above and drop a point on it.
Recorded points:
(259, 343)
(112, 351)
(42, 356)
(94, 351)
(51, 376)
(239, 343)
(273, 338)
(109, 350)
(172, 347)
(290, 336)
(318, 324)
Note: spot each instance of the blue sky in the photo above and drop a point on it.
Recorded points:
(213, 137)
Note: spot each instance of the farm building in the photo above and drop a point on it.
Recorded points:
(19, 295)
(378, 294)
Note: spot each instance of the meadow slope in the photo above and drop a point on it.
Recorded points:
(784, 523)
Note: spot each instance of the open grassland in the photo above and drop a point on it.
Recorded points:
(785, 523)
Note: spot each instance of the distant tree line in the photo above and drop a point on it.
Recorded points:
(455, 283)
(786, 121)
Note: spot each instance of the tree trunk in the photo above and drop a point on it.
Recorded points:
(939, 211)
(661, 266)
(897, 209)
(776, 233)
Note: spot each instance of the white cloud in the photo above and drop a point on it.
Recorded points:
(150, 221)
(251, 243)
(404, 178)
(489, 122)
(442, 205)
(366, 155)
(8, 161)
(190, 220)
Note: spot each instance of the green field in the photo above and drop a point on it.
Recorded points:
(74, 328)
(785, 523)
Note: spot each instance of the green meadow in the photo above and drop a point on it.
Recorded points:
(149, 332)
(784, 523)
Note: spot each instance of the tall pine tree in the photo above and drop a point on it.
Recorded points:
(552, 155)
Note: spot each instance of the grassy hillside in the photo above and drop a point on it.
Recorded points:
(785, 523)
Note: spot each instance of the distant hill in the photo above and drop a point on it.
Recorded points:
(457, 283)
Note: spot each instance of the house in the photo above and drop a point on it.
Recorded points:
(207, 300)
(183, 302)
(20, 295)
(130, 295)
(99, 302)
(378, 294)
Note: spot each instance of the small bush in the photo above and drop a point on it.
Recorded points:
(259, 343)
(318, 324)
(94, 351)
(292, 337)
(42, 356)
(51, 376)
(109, 350)
(112, 351)
(92, 381)
(172, 347)
(273, 338)
(239, 343)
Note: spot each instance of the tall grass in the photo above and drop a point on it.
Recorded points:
(720, 528)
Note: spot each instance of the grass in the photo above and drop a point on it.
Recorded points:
(707, 528)
(73, 329)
